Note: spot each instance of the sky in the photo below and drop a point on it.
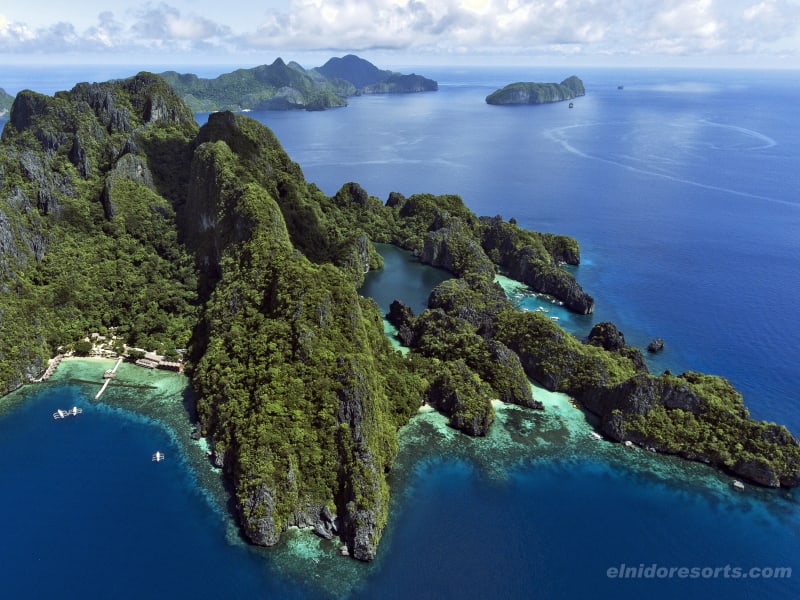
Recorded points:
(713, 33)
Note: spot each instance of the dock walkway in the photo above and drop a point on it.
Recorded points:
(51, 368)
(108, 375)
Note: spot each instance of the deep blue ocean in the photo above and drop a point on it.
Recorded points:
(682, 191)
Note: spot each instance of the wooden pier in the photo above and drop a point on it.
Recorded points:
(108, 376)
(51, 368)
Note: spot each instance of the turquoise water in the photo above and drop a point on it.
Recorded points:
(403, 277)
(681, 189)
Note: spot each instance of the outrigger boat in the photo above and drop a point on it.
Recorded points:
(158, 457)
(61, 413)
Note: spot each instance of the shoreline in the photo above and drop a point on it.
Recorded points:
(53, 364)
(520, 437)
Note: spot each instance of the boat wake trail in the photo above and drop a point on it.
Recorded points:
(560, 135)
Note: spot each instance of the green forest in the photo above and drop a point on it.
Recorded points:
(120, 214)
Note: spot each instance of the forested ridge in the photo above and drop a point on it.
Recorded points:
(288, 86)
(119, 213)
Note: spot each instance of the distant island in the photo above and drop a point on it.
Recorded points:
(6, 100)
(282, 86)
(537, 93)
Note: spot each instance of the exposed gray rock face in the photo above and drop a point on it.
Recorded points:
(764, 474)
(536, 262)
(129, 167)
(51, 141)
(402, 317)
(19, 242)
(352, 396)
(607, 336)
(361, 525)
(151, 101)
(321, 520)
(637, 396)
(50, 184)
(477, 301)
(452, 248)
(134, 168)
(79, 157)
(19, 201)
(641, 394)
(263, 530)
(396, 199)
(8, 249)
(362, 500)
(509, 369)
(757, 471)
(464, 399)
(26, 106)
(260, 530)
(159, 109)
(550, 279)
(100, 98)
(355, 258)
(218, 457)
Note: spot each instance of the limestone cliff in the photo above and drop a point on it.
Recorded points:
(308, 436)
(534, 259)
(701, 418)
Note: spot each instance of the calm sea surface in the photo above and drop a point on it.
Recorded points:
(681, 189)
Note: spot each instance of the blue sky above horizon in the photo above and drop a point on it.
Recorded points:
(698, 33)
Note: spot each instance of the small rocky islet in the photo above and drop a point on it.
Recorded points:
(529, 92)
(210, 238)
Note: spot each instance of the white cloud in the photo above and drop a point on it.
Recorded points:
(165, 23)
(587, 28)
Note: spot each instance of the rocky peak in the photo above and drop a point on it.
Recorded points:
(26, 106)
(125, 104)
(607, 336)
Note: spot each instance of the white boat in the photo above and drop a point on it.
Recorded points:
(61, 413)
(158, 457)
(737, 485)
(595, 436)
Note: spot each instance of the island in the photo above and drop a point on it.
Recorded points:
(537, 93)
(6, 100)
(119, 213)
(282, 86)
